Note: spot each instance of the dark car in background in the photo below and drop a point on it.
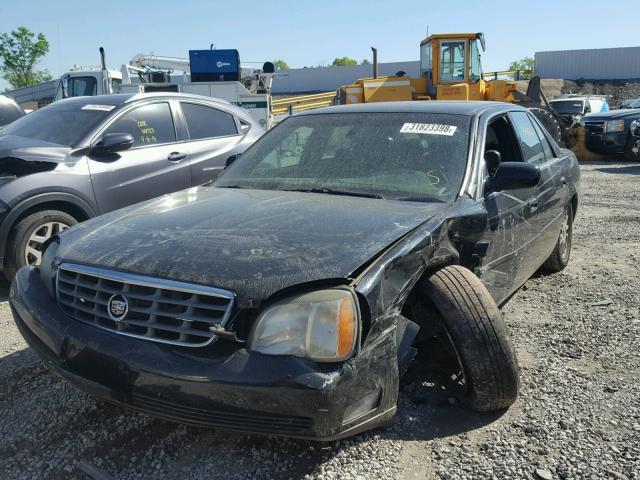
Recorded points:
(290, 296)
(610, 132)
(82, 157)
(10, 111)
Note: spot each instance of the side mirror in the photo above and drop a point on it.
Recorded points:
(513, 175)
(493, 159)
(114, 142)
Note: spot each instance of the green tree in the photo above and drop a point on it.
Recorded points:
(281, 65)
(525, 63)
(20, 51)
(365, 62)
(344, 61)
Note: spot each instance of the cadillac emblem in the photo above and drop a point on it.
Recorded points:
(117, 307)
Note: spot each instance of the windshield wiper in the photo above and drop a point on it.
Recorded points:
(332, 191)
(422, 198)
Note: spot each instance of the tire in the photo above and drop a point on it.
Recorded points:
(629, 154)
(549, 122)
(559, 258)
(471, 320)
(28, 235)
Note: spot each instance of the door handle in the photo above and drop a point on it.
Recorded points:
(176, 156)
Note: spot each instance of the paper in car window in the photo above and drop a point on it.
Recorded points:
(429, 129)
(103, 108)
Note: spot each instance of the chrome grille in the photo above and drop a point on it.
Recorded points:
(159, 310)
(594, 127)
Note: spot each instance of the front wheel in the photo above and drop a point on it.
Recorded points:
(29, 235)
(473, 324)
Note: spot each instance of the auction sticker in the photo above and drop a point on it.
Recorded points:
(103, 108)
(429, 129)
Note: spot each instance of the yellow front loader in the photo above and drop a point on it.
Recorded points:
(450, 69)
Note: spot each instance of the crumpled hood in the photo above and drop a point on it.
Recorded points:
(612, 115)
(253, 242)
(31, 149)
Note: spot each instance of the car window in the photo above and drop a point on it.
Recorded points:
(500, 137)
(531, 148)
(208, 122)
(149, 125)
(402, 156)
(546, 146)
(82, 87)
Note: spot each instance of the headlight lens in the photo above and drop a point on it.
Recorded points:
(615, 126)
(320, 326)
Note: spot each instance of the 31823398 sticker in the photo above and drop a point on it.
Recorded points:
(429, 129)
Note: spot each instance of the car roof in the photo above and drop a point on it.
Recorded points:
(457, 107)
(117, 99)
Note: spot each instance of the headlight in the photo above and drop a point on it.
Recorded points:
(47, 270)
(320, 326)
(614, 126)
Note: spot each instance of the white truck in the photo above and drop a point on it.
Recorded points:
(216, 75)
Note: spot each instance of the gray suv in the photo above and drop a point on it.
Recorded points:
(85, 156)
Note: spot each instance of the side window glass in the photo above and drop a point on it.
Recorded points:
(82, 87)
(546, 146)
(531, 148)
(208, 122)
(149, 125)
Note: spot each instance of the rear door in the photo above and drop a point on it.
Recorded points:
(157, 164)
(214, 136)
(545, 205)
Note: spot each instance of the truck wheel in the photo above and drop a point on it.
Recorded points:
(548, 121)
(28, 235)
(559, 258)
(473, 324)
(632, 150)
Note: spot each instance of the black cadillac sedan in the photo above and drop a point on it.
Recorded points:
(289, 296)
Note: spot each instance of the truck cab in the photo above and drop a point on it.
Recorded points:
(83, 82)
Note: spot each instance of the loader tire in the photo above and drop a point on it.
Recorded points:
(474, 325)
(549, 122)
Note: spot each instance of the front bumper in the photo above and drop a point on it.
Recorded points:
(613, 142)
(232, 389)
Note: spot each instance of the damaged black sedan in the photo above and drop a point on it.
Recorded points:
(289, 296)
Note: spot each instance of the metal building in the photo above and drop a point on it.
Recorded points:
(592, 64)
(327, 79)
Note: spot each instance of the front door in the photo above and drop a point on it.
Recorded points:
(156, 164)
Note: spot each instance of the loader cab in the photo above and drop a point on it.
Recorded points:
(451, 64)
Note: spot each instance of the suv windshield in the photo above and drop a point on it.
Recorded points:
(401, 156)
(58, 123)
(567, 106)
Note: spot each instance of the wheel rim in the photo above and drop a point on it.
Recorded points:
(563, 241)
(42, 233)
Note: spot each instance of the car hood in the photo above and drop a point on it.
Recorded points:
(31, 149)
(252, 242)
(612, 115)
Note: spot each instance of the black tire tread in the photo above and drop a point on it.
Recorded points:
(548, 121)
(475, 327)
(555, 263)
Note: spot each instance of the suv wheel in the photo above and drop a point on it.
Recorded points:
(28, 236)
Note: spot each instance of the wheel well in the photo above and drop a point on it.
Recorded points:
(406, 307)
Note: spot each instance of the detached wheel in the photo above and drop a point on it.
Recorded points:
(473, 324)
(28, 236)
(548, 121)
(559, 258)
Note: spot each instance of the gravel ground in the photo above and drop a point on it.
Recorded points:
(577, 336)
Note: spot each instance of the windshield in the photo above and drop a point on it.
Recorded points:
(568, 106)
(61, 124)
(400, 156)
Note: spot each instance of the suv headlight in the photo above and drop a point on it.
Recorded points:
(614, 126)
(321, 326)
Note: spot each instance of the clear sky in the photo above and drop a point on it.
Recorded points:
(307, 32)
